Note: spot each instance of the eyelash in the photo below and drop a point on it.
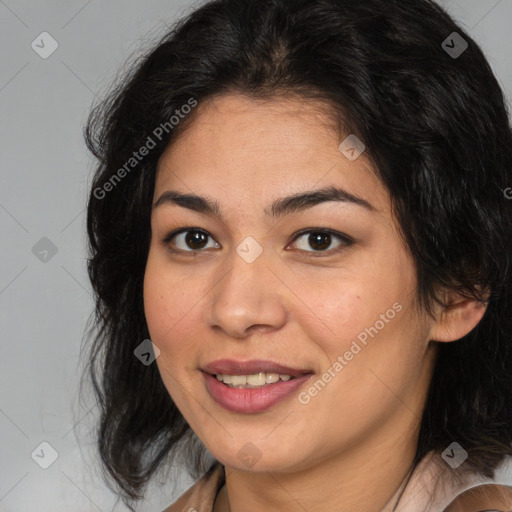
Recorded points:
(345, 239)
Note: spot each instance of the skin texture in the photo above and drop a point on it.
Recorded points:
(291, 308)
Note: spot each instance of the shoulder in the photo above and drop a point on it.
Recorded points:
(482, 498)
(436, 487)
(201, 496)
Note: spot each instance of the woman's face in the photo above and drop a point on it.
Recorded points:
(337, 311)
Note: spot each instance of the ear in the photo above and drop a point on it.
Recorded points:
(460, 316)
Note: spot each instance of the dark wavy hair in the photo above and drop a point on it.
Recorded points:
(436, 128)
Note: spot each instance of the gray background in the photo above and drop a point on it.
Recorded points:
(45, 172)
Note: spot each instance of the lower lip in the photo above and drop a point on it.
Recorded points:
(250, 400)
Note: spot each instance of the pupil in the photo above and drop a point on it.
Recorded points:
(316, 239)
(196, 239)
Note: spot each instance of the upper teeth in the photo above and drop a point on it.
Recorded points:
(254, 380)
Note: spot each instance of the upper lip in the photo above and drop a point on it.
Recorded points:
(232, 367)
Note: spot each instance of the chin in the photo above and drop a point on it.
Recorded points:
(256, 457)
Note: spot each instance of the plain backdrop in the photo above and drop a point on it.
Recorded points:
(45, 297)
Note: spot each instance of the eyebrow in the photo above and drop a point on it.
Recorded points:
(280, 207)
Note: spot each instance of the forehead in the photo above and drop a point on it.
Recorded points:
(246, 150)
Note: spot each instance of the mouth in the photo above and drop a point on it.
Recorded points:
(251, 374)
(251, 386)
(252, 381)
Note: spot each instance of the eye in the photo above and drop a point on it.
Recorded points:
(320, 239)
(193, 238)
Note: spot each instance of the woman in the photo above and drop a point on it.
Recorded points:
(300, 248)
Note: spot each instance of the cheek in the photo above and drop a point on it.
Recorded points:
(172, 308)
(163, 308)
(347, 306)
(167, 298)
(156, 305)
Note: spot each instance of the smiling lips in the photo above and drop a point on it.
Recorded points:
(232, 367)
(251, 386)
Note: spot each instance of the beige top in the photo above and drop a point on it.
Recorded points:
(201, 496)
(432, 487)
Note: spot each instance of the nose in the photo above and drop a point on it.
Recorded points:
(249, 298)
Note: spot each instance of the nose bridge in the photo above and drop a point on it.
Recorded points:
(247, 295)
(243, 285)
